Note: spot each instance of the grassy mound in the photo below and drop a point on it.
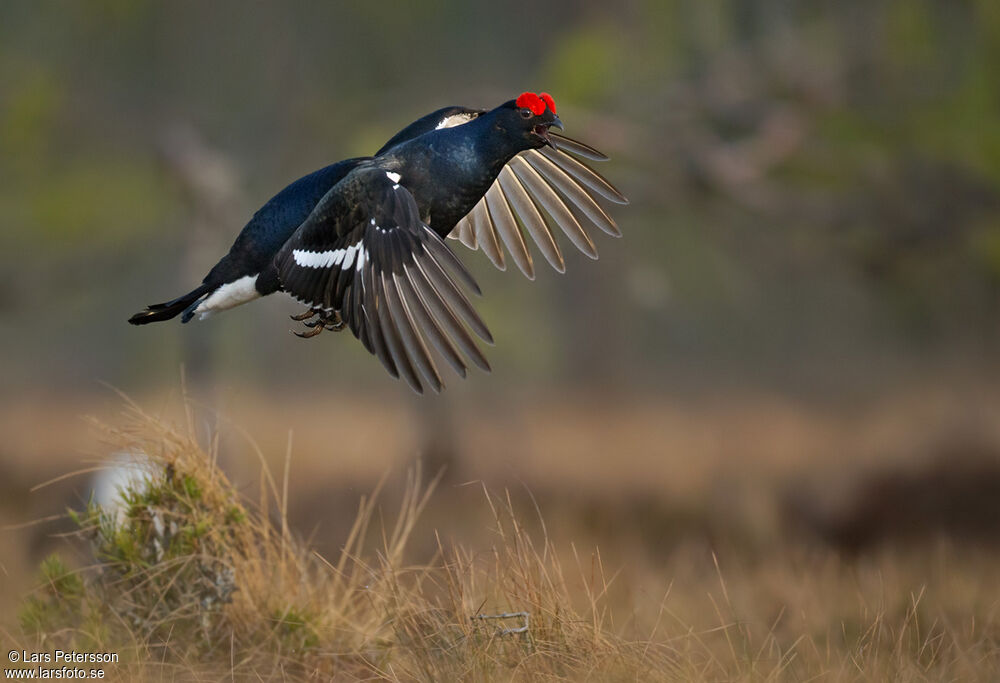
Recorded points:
(192, 580)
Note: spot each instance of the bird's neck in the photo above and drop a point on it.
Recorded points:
(496, 146)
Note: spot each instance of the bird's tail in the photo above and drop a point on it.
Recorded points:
(170, 309)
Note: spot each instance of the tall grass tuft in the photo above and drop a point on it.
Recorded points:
(190, 578)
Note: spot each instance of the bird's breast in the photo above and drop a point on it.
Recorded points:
(448, 186)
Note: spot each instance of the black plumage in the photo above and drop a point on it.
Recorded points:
(360, 242)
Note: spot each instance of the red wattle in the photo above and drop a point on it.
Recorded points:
(530, 100)
(547, 98)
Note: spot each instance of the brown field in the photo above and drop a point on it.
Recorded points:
(754, 538)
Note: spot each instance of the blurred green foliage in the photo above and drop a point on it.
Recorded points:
(583, 65)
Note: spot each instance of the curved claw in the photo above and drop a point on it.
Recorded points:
(325, 321)
(315, 329)
(308, 313)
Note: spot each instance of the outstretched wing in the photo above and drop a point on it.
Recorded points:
(532, 192)
(365, 253)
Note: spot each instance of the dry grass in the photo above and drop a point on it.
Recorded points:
(199, 583)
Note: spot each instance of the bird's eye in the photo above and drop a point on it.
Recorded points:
(526, 114)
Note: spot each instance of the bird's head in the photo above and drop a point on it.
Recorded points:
(528, 118)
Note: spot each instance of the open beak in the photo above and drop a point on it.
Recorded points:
(542, 130)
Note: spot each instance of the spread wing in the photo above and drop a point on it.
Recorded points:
(530, 196)
(365, 253)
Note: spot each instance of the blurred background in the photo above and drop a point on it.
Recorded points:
(794, 345)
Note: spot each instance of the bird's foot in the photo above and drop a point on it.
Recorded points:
(325, 321)
(332, 321)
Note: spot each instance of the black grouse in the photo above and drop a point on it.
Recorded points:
(360, 242)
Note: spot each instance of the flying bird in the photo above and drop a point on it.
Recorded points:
(361, 242)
